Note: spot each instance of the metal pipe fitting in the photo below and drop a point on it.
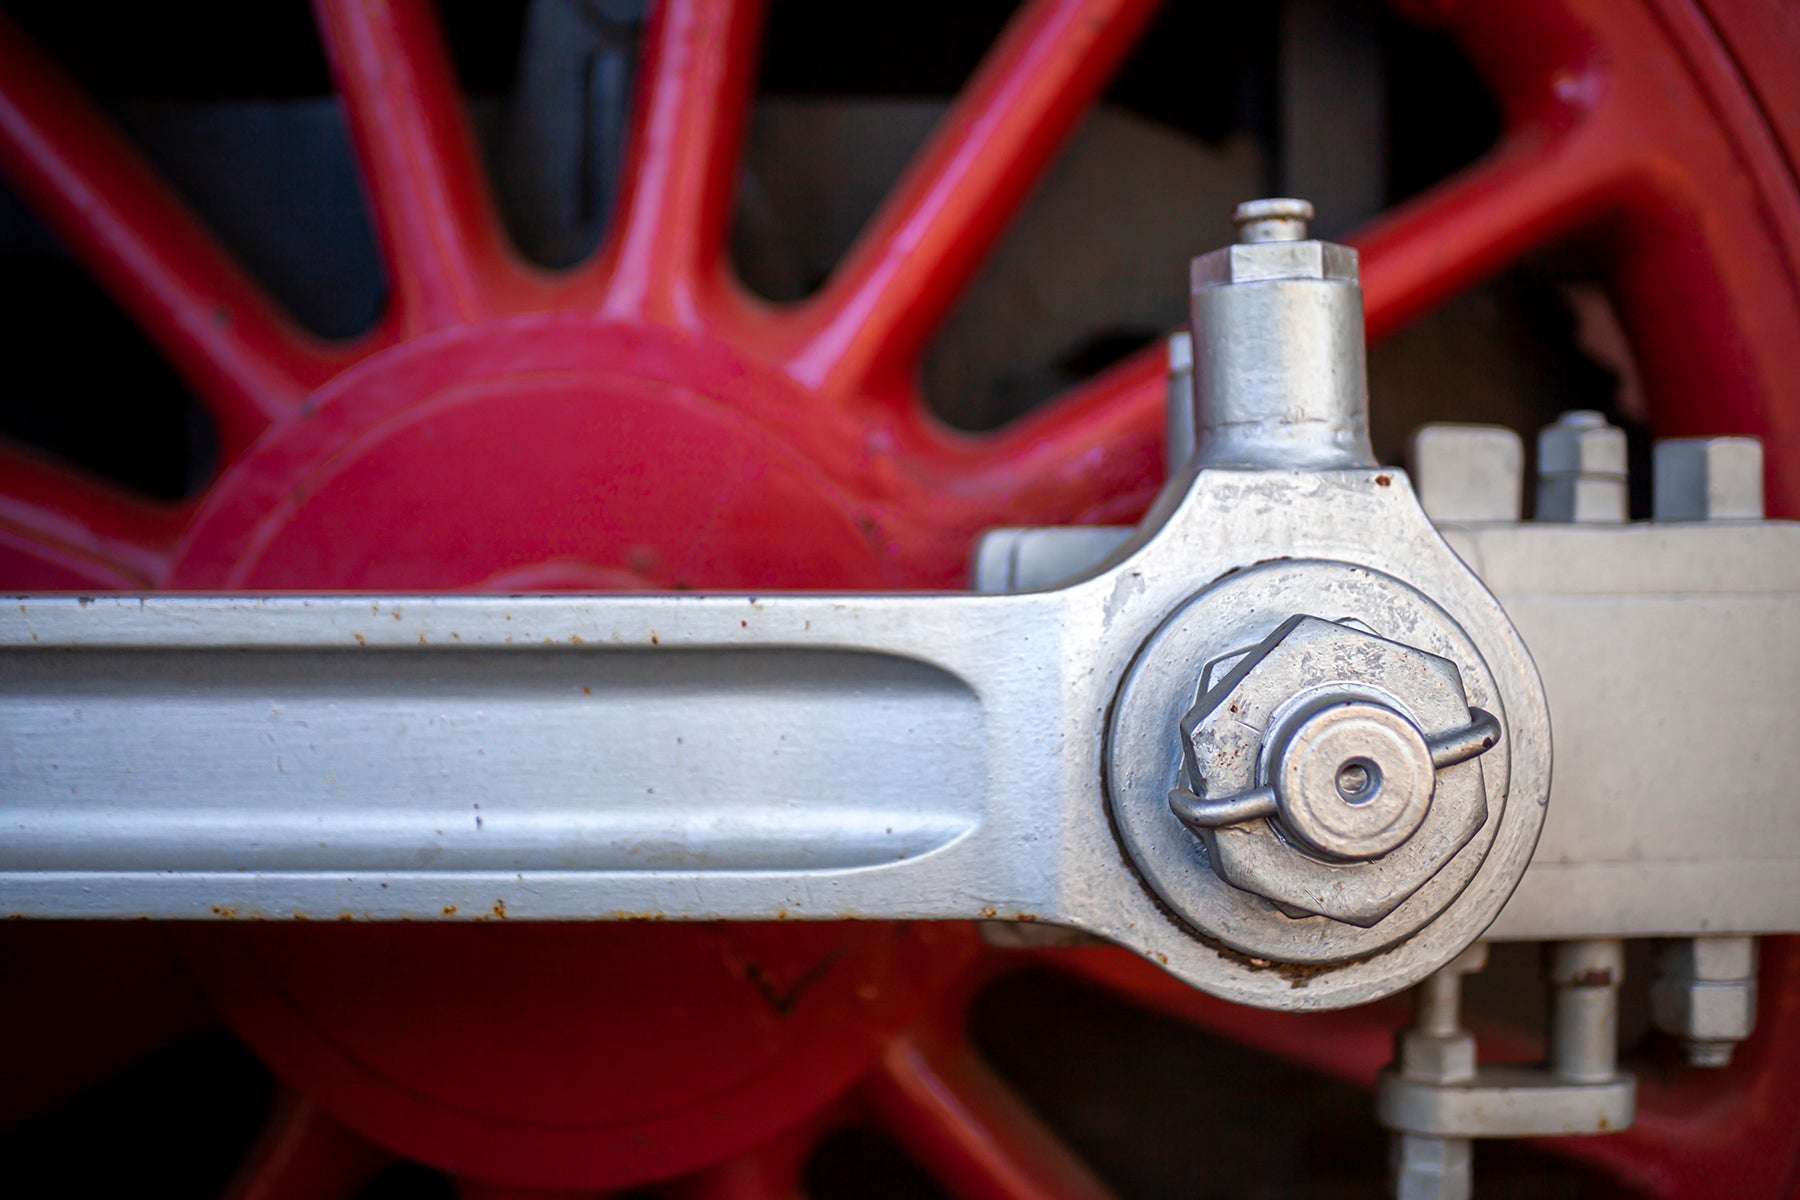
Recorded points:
(1436, 1096)
(1282, 219)
(1584, 1009)
(1279, 375)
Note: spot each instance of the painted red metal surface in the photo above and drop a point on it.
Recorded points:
(642, 422)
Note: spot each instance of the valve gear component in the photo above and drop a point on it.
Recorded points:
(1328, 795)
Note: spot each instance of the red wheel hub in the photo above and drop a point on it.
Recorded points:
(574, 1057)
(639, 422)
(552, 453)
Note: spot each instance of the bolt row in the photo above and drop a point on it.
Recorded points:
(1475, 473)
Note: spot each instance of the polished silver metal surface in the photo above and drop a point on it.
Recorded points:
(1581, 469)
(175, 756)
(1249, 888)
(1507, 1102)
(1279, 376)
(1034, 559)
(1669, 655)
(1584, 978)
(1355, 780)
(164, 756)
(807, 757)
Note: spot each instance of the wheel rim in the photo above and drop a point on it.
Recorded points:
(745, 447)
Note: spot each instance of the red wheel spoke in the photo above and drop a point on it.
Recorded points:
(906, 271)
(247, 361)
(69, 522)
(1350, 1044)
(440, 236)
(1534, 189)
(667, 243)
(304, 1155)
(1092, 457)
(970, 1129)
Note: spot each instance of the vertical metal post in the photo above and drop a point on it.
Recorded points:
(1436, 1049)
(1280, 381)
(1584, 1009)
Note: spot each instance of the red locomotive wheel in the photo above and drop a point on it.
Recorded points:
(641, 421)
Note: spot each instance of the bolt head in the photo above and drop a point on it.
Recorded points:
(1581, 443)
(1709, 479)
(1233, 740)
(1430, 1168)
(1705, 989)
(1704, 1012)
(1707, 959)
(1436, 1059)
(1256, 262)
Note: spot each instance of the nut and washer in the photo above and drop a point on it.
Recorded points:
(1219, 883)
(1581, 469)
(1321, 750)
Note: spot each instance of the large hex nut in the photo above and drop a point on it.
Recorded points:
(1259, 261)
(1231, 741)
(1705, 994)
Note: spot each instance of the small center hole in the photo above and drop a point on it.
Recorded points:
(1358, 780)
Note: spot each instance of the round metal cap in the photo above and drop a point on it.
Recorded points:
(1275, 220)
(1354, 780)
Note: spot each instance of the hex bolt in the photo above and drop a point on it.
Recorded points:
(1584, 1009)
(1709, 479)
(1436, 1049)
(1277, 220)
(1180, 423)
(1468, 473)
(1581, 470)
(1279, 376)
(1705, 994)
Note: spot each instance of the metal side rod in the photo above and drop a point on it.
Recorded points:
(814, 757)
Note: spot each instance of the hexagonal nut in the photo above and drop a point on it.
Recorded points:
(1255, 262)
(1223, 741)
(1581, 443)
(1722, 959)
(1436, 1059)
(1430, 1168)
(1708, 479)
(1704, 1012)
